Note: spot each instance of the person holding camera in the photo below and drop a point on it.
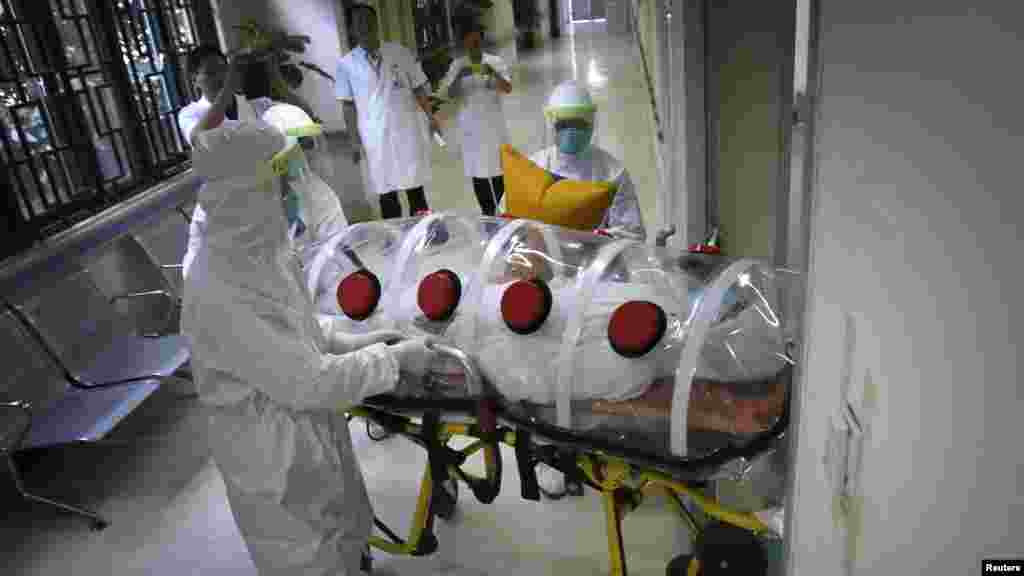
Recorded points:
(478, 81)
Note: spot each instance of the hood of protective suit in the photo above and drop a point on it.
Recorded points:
(571, 101)
(241, 197)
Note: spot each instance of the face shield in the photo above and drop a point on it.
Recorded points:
(571, 117)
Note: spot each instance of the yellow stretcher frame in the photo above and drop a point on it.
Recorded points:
(621, 483)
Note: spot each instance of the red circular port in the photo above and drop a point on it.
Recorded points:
(636, 327)
(439, 295)
(525, 305)
(358, 294)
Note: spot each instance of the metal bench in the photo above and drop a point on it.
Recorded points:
(45, 405)
(97, 341)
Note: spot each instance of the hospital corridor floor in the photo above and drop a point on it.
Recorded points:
(155, 480)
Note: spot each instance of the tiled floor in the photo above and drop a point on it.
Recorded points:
(167, 500)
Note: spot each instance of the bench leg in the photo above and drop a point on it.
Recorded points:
(96, 522)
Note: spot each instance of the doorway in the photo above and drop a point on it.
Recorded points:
(588, 10)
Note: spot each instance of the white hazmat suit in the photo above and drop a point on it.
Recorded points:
(574, 157)
(266, 367)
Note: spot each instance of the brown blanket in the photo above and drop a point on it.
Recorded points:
(713, 406)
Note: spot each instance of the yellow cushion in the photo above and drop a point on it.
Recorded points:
(531, 192)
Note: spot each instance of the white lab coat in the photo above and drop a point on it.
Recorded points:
(481, 120)
(394, 130)
(277, 432)
(188, 119)
(596, 165)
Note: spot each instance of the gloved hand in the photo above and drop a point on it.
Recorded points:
(414, 356)
(342, 342)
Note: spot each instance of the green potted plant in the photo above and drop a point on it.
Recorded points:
(272, 71)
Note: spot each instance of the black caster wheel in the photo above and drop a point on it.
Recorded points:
(447, 499)
(98, 525)
(382, 432)
(679, 566)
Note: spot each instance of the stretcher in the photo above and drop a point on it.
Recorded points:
(632, 369)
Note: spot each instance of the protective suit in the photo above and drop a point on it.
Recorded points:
(267, 370)
(188, 119)
(571, 112)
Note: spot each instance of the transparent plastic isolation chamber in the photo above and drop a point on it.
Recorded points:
(641, 347)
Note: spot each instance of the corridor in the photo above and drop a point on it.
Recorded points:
(610, 66)
(167, 501)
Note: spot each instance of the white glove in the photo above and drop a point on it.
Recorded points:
(414, 356)
(342, 343)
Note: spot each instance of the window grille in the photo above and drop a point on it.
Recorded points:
(90, 92)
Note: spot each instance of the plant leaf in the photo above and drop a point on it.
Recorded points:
(317, 69)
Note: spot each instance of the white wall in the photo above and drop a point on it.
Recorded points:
(916, 232)
(319, 20)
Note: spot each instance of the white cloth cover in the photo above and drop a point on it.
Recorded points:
(481, 120)
(393, 128)
(276, 429)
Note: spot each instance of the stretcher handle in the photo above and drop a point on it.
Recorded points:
(474, 383)
(487, 417)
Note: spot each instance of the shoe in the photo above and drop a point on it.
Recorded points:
(550, 481)
(573, 488)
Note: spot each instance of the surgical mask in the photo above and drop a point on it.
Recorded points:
(573, 140)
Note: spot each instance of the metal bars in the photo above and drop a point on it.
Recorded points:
(90, 91)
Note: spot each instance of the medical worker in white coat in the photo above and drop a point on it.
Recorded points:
(571, 114)
(384, 95)
(275, 378)
(478, 80)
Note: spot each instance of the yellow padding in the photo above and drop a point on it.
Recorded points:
(532, 193)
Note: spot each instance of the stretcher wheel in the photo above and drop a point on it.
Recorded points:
(98, 525)
(680, 565)
(370, 425)
(636, 327)
(439, 294)
(358, 294)
(447, 499)
(726, 550)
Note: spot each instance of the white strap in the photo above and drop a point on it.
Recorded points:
(585, 283)
(707, 310)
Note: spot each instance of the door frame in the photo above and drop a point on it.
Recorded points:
(809, 112)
